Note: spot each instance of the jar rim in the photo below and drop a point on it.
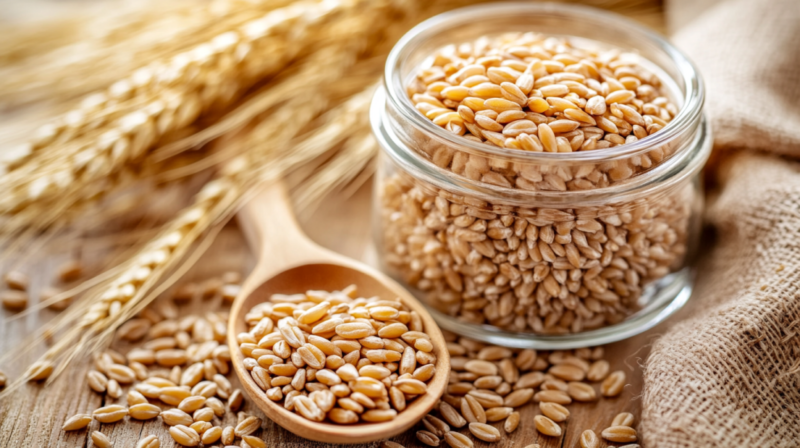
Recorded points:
(688, 116)
(650, 184)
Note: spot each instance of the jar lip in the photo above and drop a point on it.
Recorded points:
(686, 119)
(679, 168)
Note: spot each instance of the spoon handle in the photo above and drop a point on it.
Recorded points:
(273, 233)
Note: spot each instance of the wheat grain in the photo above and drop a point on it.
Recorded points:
(76, 422)
(14, 300)
(144, 411)
(589, 439)
(227, 435)
(619, 434)
(485, 432)
(100, 440)
(16, 280)
(184, 435)
(546, 426)
(150, 441)
(428, 438)
(623, 419)
(613, 384)
(581, 391)
(457, 440)
(554, 411)
(598, 370)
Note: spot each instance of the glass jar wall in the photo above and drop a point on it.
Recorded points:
(539, 249)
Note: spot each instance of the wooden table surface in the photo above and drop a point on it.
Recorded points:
(33, 416)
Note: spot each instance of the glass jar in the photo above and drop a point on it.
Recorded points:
(536, 249)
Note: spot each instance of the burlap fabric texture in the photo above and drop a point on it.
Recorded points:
(729, 374)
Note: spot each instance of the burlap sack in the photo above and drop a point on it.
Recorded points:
(729, 376)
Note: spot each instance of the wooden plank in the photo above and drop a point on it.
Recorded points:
(33, 416)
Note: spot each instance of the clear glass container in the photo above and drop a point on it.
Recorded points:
(535, 249)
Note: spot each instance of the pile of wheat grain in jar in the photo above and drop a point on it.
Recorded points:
(332, 356)
(533, 179)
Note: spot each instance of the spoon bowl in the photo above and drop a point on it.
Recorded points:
(289, 263)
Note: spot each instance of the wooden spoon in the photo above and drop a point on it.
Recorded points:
(290, 263)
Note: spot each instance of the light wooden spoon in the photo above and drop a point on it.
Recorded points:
(290, 263)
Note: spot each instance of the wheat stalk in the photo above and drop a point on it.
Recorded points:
(44, 188)
(122, 123)
(107, 43)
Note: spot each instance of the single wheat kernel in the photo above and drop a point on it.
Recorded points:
(77, 421)
(581, 391)
(546, 426)
(497, 414)
(518, 398)
(184, 435)
(191, 404)
(97, 381)
(227, 435)
(110, 414)
(472, 410)
(621, 434)
(70, 271)
(144, 411)
(171, 357)
(17, 280)
(481, 367)
(192, 375)
(123, 374)
(458, 440)
(254, 442)
(613, 384)
(567, 372)
(150, 441)
(174, 417)
(247, 426)
(100, 440)
(14, 300)
(343, 416)
(623, 419)
(512, 422)
(589, 439)
(452, 416)
(411, 386)
(203, 415)
(428, 438)
(113, 389)
(554, 411)
(598, 370)
(487, 433)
